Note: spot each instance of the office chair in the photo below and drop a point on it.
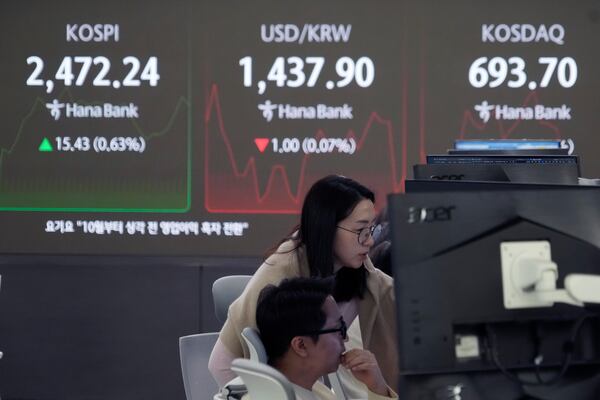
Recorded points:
(194, 352)
(263, 381)
(225, 290)
(255, 345)
(257, 354)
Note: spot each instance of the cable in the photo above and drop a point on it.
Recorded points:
(539, 358)
(568, 349)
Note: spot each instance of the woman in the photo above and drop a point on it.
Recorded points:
(333, 239)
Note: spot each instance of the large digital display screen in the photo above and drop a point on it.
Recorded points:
(196, 127)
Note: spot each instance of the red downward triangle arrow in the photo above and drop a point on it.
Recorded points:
(261, 143)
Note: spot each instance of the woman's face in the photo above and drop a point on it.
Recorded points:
(347, 251)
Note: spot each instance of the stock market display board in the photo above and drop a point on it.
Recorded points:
(196, 127)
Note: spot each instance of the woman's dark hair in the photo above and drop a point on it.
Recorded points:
(290, 309)
(381, 252)
(330, 200)
(381, 256)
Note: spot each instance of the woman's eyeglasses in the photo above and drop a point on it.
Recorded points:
(365, 233)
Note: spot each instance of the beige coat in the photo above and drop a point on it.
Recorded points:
(376, 311)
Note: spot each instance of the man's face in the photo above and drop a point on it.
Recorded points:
(325, 353)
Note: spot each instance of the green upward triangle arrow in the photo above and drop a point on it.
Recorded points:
(45, 145)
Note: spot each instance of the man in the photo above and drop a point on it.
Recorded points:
(304, 333)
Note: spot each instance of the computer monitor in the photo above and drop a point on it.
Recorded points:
(536, 152)
(434, 185)
(500, 159)
(512, 144)
(447, 264)
(560, 173)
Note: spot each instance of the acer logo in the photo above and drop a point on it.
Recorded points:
(449, 177)
(429, 214)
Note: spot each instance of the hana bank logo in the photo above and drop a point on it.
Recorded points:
(267, 109)
(484, 109)
(55, 108)
(538, 112)
(306, 112)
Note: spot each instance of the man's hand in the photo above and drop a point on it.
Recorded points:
(364, 367)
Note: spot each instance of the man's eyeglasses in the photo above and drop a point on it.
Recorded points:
(343, 330)
(365, 233)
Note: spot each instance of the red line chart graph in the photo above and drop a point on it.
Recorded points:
(236, 187)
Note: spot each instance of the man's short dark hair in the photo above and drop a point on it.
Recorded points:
(291, 309)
